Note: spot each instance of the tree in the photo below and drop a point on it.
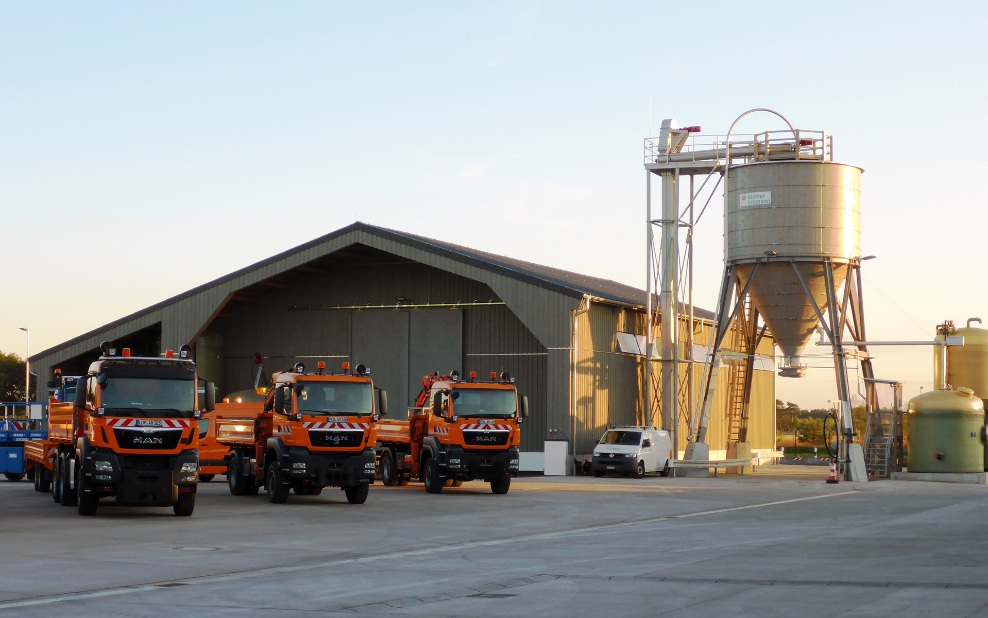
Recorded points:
(11, 377)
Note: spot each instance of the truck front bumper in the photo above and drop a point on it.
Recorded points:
(466, 465)
(142, 480)
(331, 469)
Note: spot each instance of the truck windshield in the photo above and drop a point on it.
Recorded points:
(624, 438)
(148, 397)
(484, 403)
(346, 398)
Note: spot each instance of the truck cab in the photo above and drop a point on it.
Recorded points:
(317, 430)
(459, 430)
(135, 433)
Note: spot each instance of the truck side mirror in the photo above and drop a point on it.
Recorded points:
(210, 396)
(80, 393)
(523, 407)
(382, 402)
(279, 400)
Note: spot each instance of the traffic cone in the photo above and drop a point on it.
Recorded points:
(833, 473)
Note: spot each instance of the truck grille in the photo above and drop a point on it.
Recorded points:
(481, 438)
(146, 439)
(335, 438)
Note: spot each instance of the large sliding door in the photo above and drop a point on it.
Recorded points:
(402, 346)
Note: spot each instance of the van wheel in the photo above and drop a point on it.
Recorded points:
(665, 470)
(640, 470)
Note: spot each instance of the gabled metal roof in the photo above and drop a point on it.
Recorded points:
(546, 277)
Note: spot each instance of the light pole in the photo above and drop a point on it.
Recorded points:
(27, 368)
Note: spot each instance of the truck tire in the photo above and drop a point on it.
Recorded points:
(36, 477)
(277, 490)
(388, 473)
(56, 479)
(14, 476)
(500, 486)
(236, 481)
(185, 505)
(68, 492)
(88, 501)
(44, 481)
(430, 475)
(357, 494)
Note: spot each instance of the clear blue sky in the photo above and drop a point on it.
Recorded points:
(146, 148)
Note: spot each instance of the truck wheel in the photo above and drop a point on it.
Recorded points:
(44, 481)
(500, 486)
(36, 477)
(68, 492)
(357, 494)
(205, 478)
(185, 505)
(13, 476)
(88, 501)
(237, 483)
(277, 491)
(640, 470)
(56, 479)
(388, 473)
(430, 474)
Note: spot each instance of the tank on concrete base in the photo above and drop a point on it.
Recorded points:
(946, 432)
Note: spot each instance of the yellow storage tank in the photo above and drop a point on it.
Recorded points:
(946, 432)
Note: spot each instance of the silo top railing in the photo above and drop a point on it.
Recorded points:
(782, 145)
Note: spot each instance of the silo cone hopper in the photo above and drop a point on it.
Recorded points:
(783, 303)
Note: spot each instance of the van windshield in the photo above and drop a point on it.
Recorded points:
(623, 438)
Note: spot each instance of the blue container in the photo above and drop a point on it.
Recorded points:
(12, 459)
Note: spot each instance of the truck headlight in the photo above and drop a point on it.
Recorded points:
(102, 466)
(189, 466)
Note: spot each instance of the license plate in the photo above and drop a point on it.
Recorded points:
(610, 467)
(141, 423)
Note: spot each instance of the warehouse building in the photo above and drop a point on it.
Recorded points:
(405, 306)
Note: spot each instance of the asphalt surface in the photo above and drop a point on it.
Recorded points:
(780, 542)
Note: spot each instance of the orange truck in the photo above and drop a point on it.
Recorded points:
(458, 431)
(214, 456)
(131, 434)
(314, 430)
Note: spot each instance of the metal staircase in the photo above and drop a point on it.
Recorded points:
(883, 444)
